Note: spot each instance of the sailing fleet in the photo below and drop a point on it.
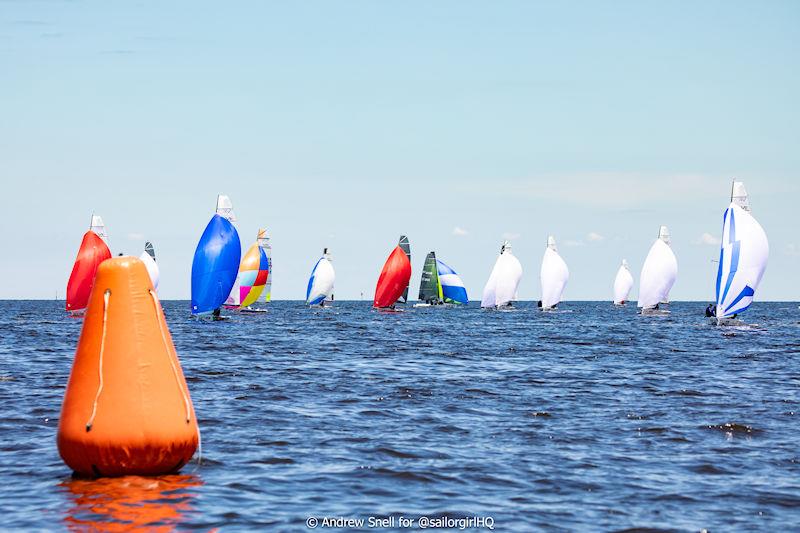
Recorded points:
(224, 278)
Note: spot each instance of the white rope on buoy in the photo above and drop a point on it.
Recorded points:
(106, 298)
(171, 359)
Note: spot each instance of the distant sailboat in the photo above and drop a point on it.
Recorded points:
(623, 284)
(320, 283)
(554, 276)
(430, 291)
(251, 280)
(501, 288)
(659, 272)
(148, 257)
(263, 242)
(393, 282)
(440, 284)
(742, 257)
(216, 261)
(92, 252)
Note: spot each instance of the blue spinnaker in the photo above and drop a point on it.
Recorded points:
(453, 290)
(215, 265)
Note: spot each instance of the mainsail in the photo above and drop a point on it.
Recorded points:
(623, 283)
(451, 287)
(659, 272)
(92, 252)
(393, 282)
(742, 257)
(320, 283)
(554, 275)
(148, 257)
(216, 260)
(263, 242)
(501, 288)
(406, 247)
(430, 290)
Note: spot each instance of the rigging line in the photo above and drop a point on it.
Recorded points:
(106, 298)
(171, 359)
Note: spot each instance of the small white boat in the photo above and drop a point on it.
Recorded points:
(501, 288)
(623, 284)
(554, 276)
(659, 272)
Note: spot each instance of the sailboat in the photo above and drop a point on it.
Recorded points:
(320, 283)
(263, 242)
(659, 272)
(216, 261)
(93, 251)
(554, 276)
(148, 257)
(743, 258)
(623, 284)
(251, 280)
(440, 284)
(393, 282)
(501, 288)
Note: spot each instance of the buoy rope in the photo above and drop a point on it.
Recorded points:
(171, 359)
(106, 298)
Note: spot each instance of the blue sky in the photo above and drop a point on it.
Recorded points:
(345, 124)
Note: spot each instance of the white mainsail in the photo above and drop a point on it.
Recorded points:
(743, 256)
(225, 208)
(320, 284)
(501, 288)
(623, 283)
(148, 257)
(98, 227)
(554, 275)
(659, 272)
(263, 242)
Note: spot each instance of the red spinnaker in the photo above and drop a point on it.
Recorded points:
(92, 252)
(393, 280)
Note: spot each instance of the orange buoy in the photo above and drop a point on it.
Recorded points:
(127, 408)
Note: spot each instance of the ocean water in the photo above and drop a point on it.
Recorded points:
(592, 418)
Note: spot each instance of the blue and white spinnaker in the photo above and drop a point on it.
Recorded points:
(320, 284)
(453, 290)
(742, 257)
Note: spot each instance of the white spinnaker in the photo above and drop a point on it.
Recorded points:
(323, 278)
(508, 276)
(553, 276)
(659, 273)
(623, 283)
(489, 290)
(504, 279)
(152, 268)
(743, 258)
